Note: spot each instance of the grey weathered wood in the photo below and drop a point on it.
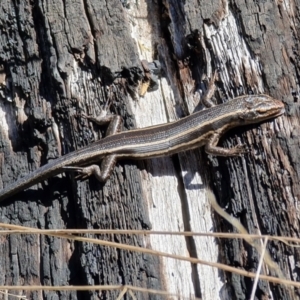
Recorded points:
(242, 40)
(58, 59)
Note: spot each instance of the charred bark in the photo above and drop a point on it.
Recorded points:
(61, 59)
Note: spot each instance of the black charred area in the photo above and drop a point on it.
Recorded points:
(39, 43)
(47, 46)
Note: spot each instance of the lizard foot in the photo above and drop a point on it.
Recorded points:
(238, 150)
(86, 172)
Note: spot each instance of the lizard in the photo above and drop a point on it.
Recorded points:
(202, 128)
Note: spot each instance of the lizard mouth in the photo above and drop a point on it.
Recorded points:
(280, 110)
(277, 112)
(275, 109)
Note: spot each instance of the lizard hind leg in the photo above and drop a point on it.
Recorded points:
(101, 173)
(108, 163)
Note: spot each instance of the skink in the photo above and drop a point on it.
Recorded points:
(203, 128)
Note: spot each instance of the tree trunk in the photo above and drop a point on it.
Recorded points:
(62, 59)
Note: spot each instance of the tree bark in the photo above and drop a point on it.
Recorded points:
(62, 59)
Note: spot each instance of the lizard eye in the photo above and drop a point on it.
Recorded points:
(262, 110)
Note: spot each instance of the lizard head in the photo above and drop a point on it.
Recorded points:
(258, 108)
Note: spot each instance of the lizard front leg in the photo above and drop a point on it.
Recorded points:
(212, 148)
(206, 100)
